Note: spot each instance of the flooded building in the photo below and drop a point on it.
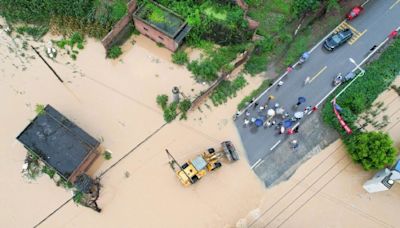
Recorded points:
(161, 25)
(60, 144)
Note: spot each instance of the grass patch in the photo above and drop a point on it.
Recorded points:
(119, 10)
(36, 32)
(92, 18)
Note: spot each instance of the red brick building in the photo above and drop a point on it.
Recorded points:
(161, 25)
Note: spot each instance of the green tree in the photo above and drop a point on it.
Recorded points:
(373, 150)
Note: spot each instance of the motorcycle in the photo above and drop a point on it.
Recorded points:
(304, 57)
(337, 80)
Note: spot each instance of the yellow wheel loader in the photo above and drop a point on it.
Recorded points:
(210, 160)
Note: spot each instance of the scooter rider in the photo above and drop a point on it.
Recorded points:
(338, 79)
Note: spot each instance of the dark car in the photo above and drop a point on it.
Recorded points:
(337, 39)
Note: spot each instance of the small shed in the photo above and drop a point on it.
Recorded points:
(161, 24)
(60, 143)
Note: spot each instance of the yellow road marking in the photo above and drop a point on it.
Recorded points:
(355, 38)
(398, 1)
(356, 34)
(352, 28)
(319, 73)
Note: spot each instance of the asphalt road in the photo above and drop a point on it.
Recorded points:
(379, 18)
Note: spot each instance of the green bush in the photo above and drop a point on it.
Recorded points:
(119, 9)
(107, 155)
(373, 150)
(180, 57)
(75, 38)
(170, 112)
(217, 60)
(256, 64)
(184, 107)
(206, 70)
(255, 93)
(227, 89)
(49, 171)
(114, 52)
(78, 197)
(39, 109)
(162, 101)
(299, 7)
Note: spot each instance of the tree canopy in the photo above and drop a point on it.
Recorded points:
(373, 150)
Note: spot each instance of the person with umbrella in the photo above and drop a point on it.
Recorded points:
(298, 115)
(300, 101)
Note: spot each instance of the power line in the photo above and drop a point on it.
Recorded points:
(314, 193)
(290, 190)
(318, 179)
(105, 171)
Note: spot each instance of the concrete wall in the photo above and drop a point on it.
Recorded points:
(85, 165)
(155, 35)
(108, 40)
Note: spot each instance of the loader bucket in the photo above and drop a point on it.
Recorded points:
(230, 151)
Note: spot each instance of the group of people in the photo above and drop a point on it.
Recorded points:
(271, 114)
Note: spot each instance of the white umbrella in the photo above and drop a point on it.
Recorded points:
(299, 115)
(271, 112)
(280, 111)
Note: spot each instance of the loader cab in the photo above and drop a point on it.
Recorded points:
(192, 171)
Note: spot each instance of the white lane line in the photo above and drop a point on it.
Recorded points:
(394, 4)
(262, 161)
(318, 74)
(365, 3)
(276, 144)
(258, 161)
(240, 112)
(354, 69)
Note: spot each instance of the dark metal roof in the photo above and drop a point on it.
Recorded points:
(182, 34)
(57, 141)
